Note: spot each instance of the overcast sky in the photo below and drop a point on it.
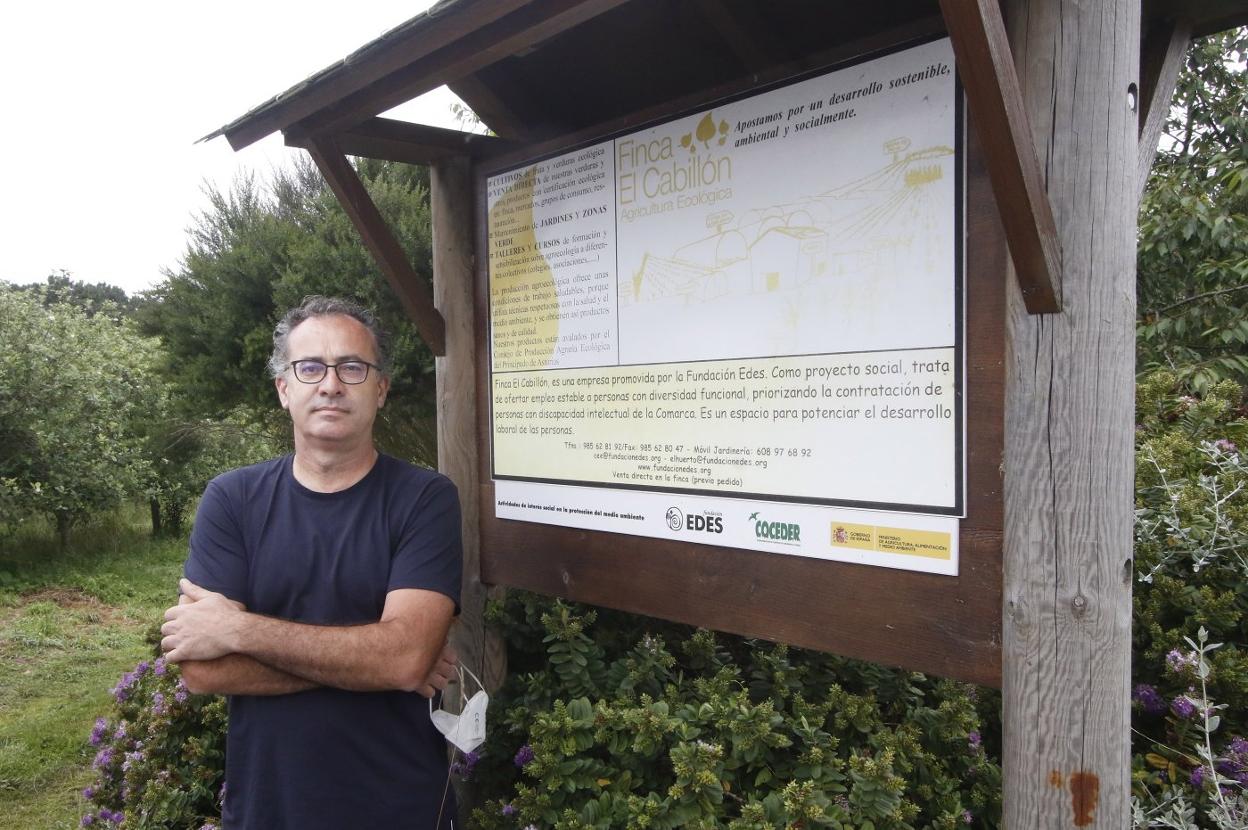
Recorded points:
(103, 104)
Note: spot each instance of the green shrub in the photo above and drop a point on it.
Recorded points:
(646, 724)
(160, 755)
(1191, 549)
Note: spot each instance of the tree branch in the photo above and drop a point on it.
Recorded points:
(1160, 311)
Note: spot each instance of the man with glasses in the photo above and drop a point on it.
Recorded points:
(318, 595)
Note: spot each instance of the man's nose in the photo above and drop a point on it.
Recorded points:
(331, 384)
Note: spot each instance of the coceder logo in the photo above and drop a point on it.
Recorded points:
(786, 532)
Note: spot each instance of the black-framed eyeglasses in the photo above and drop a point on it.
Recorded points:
(349, 371)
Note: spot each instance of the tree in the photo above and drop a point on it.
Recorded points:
(1193, 252)
(61, 288)
(259, 250)
(72, 388)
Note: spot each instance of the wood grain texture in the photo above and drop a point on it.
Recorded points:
(945, 625)
(403, 141)
(1161, 59)
(450, 202)
(1070, 431)
(986, 70)
(412, 291)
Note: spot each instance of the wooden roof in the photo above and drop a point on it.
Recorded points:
(536, 68)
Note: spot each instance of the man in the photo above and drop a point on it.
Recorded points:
(318, 595)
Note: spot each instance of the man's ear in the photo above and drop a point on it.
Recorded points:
(383, 389)
(279, 383)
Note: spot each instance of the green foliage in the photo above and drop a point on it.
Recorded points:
(258, 251)
(1191, 549)
(617, 721)
(61, 288)
(160, 756)
(73, 387)
(1193, 237)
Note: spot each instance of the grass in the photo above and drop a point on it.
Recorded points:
(70, 623)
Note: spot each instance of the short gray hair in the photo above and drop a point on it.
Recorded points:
(318, 306)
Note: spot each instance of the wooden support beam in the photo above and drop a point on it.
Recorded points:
(986, 69)
(1161, 59)
(412, 291)
(368, 66)
(492, 110)
(538, 21)
(1070, 431)
(392, 140)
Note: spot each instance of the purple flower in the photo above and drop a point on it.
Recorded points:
(88, 793)
(1181, 663)
(87, 820)
(523, 755)
(1238, 746)
(159, 667)
(509, 810)
(1198, 778)
(131, 759)
(97, 732)
(180, 695)
(158, 703)
(209, 826)
(973, 740)
(1151, 702)
(103, 758)
(967, 817)
(142, 668)
(464, 768)
(1225, 445)
(1183, 707)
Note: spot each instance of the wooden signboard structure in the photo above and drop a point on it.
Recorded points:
(1046, 158)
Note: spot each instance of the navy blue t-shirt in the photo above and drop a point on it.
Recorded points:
(329, 758)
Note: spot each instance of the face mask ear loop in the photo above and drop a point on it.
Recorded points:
(463, 694)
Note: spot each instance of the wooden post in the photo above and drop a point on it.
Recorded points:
(1069, 430)
(451, 208)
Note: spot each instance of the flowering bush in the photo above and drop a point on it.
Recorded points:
(621, 729)
(1191, 547)
(159, 755)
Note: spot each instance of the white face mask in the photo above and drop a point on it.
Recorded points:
(465, 731)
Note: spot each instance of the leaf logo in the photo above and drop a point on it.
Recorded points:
(706, 130)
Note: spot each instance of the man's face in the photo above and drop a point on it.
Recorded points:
(332, 412)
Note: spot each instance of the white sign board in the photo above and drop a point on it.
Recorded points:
(743, 327)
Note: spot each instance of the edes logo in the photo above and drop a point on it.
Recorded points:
(709, 521)
(675, 519)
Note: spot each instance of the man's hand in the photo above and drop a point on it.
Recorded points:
(442, 673)
(202, 626)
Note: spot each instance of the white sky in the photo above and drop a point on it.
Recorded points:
(103, 103)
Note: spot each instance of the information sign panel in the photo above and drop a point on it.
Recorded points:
(743, 327)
